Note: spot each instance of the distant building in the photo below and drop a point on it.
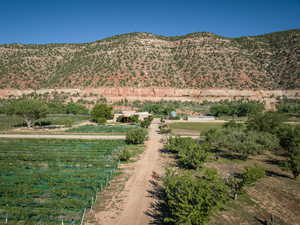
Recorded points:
(141, 115)
(200, 118)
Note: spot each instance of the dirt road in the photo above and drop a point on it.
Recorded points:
(137, 200)
(52, 136)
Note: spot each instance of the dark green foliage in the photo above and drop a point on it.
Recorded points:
(136, 136)
(177, 143)
(289, 137)
(70, 108)
(56, 107)
(135, 119)
(30, 110)
(233, 124)
(101, 111)
(191, 154)
(158, 109)
(236, 108)
(289, 106)
(294, 162)
(191, 200)
(252, 174)
(266, 122)
(146, 122)
(242, 141)
(75, 108)
(128, 119)
(124, 155)
(101, 120)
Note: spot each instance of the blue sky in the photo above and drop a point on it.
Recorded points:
(72, 21)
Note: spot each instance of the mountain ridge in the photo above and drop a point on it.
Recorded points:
(195, 60)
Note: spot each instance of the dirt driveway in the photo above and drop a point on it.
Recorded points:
(137, 200)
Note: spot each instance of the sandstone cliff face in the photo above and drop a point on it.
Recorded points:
(155, 94)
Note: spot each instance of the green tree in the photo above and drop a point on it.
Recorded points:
(252, 174)
(75, 108)
(192, 200)
(101, 111)
(136, 136)
(294, 163)
(29, 109)
(289, 137)
(193, 155)
(266, 122)
(242, 141)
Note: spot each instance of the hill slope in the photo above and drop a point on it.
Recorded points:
(197, 60)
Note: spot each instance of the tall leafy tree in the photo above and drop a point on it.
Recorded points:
(29, 109)
(102, 112)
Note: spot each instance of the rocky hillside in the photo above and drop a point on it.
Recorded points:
(197, 60)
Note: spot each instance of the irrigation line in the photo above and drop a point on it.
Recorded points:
(83, 217)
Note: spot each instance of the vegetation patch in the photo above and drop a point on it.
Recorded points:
(47, 181)
(102, 129)
(191, 127)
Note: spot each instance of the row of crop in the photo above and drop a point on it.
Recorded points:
(53, 185)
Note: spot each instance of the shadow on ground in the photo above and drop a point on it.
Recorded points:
(158, 209)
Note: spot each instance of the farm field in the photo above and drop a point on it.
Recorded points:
(102, 129)
(47, 181)
(192, 128)
(275, 195)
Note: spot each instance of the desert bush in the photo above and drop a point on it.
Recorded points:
(136, 136)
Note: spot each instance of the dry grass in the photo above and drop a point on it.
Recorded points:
(276, 195)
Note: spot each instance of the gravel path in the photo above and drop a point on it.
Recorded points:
(50, 136)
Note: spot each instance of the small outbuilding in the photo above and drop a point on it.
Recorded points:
(141, 115)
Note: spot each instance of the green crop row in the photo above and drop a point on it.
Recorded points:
(47, 181)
